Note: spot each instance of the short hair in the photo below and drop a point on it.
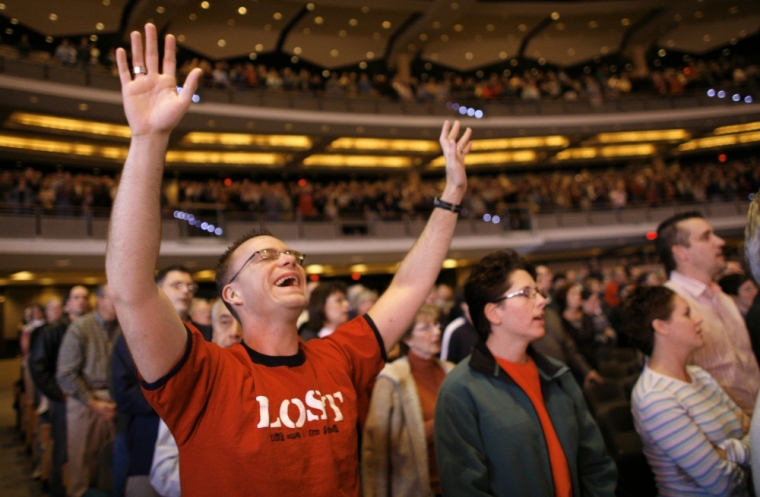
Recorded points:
(318, 300)
(161, 274)
(425, 310)
(561, 294)
(68, 294)
(223, 266)
(730, 284)
(489, 279)
(639, 310)
(669, 234)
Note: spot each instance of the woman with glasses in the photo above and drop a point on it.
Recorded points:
(694, 435)
(398, 457)
(510, 421)
(328, 308)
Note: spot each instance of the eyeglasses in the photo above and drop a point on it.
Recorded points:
(271, 255)
(178, 285)
(426, 327)
(529, 292)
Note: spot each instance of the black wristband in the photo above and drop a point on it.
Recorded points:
(442, 204)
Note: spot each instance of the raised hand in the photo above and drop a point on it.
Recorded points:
(151, 102)
(455, 151)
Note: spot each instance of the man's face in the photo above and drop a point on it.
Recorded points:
(106, 308)
(705, 250)
(267, 284)
(226, 329)
(544, 280)
(53, 310)
(179, 287)
(78, 302)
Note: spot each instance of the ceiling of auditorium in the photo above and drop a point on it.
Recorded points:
(462, 34)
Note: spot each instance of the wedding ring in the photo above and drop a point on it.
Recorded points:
(140, 70)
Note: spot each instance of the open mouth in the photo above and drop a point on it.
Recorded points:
(285, 281)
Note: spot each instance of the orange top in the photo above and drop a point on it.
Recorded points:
(526, 377)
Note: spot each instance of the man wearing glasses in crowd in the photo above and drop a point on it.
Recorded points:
(273, 415)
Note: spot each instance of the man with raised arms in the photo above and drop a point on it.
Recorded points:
(273, 415)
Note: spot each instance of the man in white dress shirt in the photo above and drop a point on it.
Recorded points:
(693, 257)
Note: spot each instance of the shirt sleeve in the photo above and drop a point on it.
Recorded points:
(164, 473)
(462, 461)
(181, 395)
(360, 345)
(665, 421)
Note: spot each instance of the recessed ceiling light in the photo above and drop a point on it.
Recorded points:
(362, 65)
(625, 21)
(181, 38)
(297, 50)
(593, 24)
(242, 11)
(318, 20)
(230, 22)
(503, 55)
(342, 33)
(106, 2)
(14, 21)
(53, 17)
(468, 56)
(93, 38)
(365, 10)
(277, 15)
(99, 26)
(370, 55)
(490, 27)
(221, 43)
(555, 16)
(423, 37)
(353, 22)
(444, 37)
(386, 24)
(2, 6)
(522, 27)
(458, 27)
(309, 6)
(334, 53)
(259, 47)
(205, 5)
(192, 17)
(160, 9)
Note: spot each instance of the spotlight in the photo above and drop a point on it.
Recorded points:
(736, 97)
(486, 217)
(496, 220)
(710, 93)
(721, 94)
(748, 99)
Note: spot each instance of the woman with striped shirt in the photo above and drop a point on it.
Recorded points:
(694, 435)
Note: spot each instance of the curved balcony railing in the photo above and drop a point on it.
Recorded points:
(195, 221)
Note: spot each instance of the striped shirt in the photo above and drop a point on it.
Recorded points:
(727, 354)
(680, 425)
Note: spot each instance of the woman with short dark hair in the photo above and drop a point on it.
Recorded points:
(694, 435)
(511, 421)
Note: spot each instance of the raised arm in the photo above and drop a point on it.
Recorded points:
(395, 309)
(151, 326)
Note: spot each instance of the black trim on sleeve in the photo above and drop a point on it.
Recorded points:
(272, 361)
(371, 323)
(161, 381)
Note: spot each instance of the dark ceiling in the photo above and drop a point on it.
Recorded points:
(462, 34)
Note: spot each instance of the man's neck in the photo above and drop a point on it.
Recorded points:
(696, 274)
(273, 338)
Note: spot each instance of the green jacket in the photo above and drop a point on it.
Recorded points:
(489, 440)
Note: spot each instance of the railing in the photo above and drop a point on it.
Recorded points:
(186, 221)
(506, 106)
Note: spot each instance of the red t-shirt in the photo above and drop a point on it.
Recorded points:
(526, 377)
(249, 424)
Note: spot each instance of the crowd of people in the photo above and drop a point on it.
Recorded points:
(67, 192)
(81, 381)
(281, 412)
(606, 82)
